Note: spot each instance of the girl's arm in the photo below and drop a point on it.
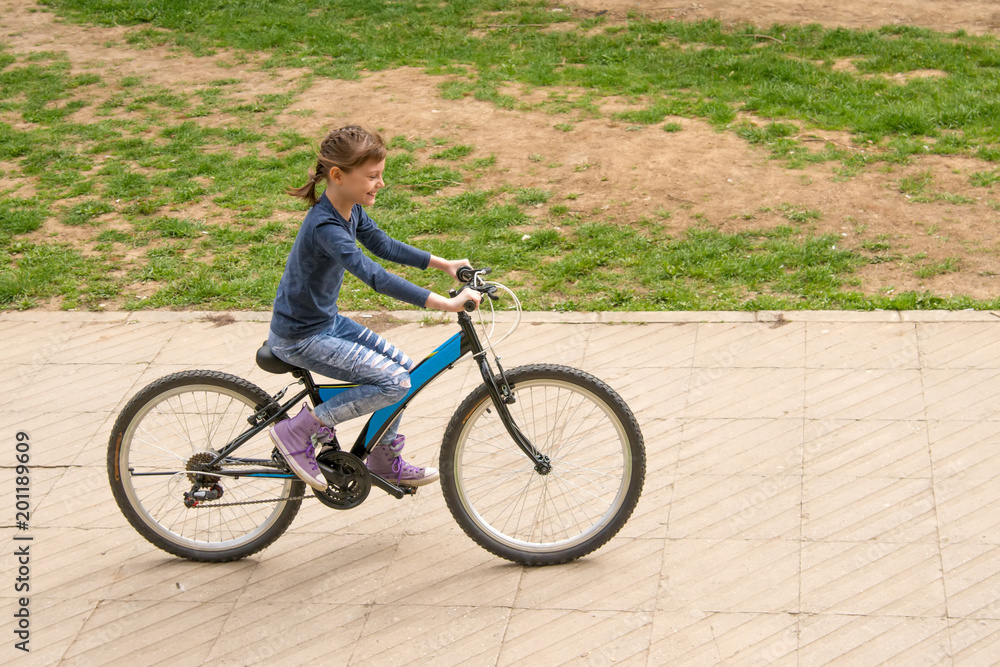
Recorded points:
(457, 303)
(454, 304)
(449, 266)
(385, 247)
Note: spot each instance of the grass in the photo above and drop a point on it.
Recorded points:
(128, 180)
(948, 265)
(664, 63)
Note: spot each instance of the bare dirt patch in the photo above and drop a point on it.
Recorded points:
(612, 172)
(974, 16)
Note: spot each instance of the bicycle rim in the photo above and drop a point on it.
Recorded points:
(570, 506)
(162, 437)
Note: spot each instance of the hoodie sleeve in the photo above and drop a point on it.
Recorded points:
(338, 244)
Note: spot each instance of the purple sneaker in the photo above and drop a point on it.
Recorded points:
(386, 462)
(296, 438)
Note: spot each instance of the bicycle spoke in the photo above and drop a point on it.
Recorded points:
(515, 503)
(178, 424)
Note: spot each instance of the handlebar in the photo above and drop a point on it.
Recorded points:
(473, 280)
(467, 274)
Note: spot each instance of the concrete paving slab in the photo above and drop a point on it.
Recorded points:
(32, 344)
(463, 573)
(858, 578)
(77, 388)
(77, 563)
(866, 448)
(300, 634)
(967, 509)
(737, 447)
(971, 580)
(639, 347)
(147, 632)
(79, 429)
(79, 499)
(720, 638)
(821, 487)
(745, 393)
(885, 345)
(149, 576)
(316, 568)
(969, 449)
(731, 575)
(625, 579)
(870, 394)
(962, 394)
(563, 636)
(974, 642)
(55, 625)
(733, 345)
(868, 508)
(440, 634)
(959, 345)
(735, 507)
(882, 640)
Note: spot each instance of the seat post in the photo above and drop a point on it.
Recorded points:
(307, 380)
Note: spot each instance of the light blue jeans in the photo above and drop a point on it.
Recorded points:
(349, 352)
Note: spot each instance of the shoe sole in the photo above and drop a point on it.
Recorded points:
(299, 471)
(423, 481)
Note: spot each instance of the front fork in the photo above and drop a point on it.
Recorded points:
(502, 396)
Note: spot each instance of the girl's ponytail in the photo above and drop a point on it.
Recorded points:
(308, 191)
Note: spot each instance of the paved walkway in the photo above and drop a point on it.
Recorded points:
(822, 488)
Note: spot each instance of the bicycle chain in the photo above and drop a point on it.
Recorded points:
(211, 504)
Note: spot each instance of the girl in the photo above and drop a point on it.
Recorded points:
(306, 329)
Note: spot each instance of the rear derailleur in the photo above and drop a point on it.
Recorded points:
(206, 486)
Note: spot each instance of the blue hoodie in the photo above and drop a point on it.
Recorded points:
(326, 245)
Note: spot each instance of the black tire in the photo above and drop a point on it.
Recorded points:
(597, 457)
(159, 430)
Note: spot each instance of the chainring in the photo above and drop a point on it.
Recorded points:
(348, 478)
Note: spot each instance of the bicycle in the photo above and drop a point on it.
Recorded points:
(540, 464)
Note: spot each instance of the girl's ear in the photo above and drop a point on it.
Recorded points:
(336, 175)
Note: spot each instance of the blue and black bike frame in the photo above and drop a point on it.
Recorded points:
(466, 341)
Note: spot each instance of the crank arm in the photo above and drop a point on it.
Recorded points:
(390, 488)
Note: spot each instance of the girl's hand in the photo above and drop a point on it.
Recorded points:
(449, 266)
(464, 297)
(455, 304)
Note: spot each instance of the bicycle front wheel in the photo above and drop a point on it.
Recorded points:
(160, 446)
(597, 467)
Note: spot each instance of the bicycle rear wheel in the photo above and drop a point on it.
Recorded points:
(597, 458)
(159, 446)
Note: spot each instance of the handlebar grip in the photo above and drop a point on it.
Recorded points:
(467, 273)
(469, 306)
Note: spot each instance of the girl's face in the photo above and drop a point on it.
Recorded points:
(360, 185)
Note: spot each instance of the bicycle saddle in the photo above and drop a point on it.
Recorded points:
(270, 363)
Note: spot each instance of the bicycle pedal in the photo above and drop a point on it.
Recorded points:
(279, 460)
